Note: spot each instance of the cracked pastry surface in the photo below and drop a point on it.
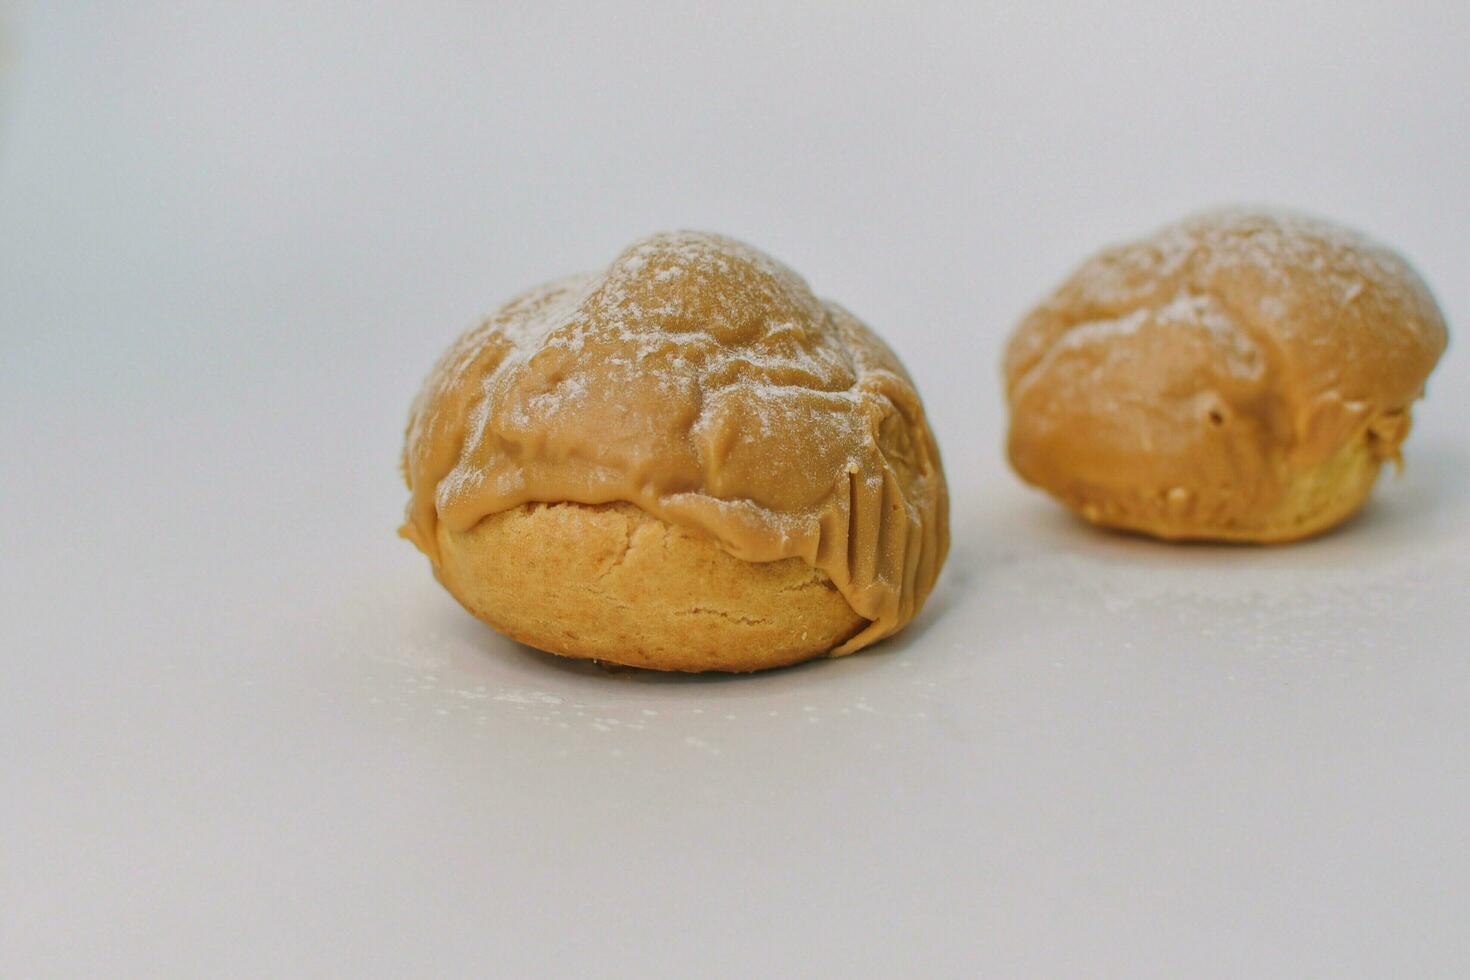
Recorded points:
(1240, 375)
(694, 393)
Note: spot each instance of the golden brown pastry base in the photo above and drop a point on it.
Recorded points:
(614, 584)
(1316, 500)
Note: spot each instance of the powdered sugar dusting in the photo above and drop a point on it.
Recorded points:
(1186, 311)
(1270, 279)
(673, 339)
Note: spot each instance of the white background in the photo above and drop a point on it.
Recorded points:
(242, 732)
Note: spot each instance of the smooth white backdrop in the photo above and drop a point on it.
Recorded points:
(243, 733)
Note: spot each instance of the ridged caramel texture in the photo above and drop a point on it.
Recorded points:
(1239, 375)
(701, 381)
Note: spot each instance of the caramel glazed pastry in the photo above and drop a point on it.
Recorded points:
(683, 462)
(1237, 376)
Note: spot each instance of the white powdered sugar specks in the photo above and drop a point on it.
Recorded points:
(673, 338)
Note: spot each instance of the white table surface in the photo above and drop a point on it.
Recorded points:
(243, 733)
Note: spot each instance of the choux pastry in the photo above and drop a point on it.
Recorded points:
(685, 461)
(1240, 376)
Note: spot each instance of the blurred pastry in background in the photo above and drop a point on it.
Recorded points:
(1241, 375)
